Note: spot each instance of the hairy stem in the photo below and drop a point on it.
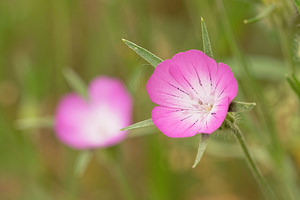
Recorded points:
(266, 189)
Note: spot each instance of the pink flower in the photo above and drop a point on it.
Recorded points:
(92, 123)
(193, 93)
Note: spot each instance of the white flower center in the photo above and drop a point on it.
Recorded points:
(201, 106)
(102, 124)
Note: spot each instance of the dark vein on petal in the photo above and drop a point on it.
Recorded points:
(181, 110)
(186, 118)
(179, 89)
(190, 85)
(193, 124)
(221, 93)
(197, 75)
(173, 95)
(224, 89)
(209, 72)
(219, 81)
(214, 117)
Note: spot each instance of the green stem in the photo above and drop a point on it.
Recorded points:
(255, 90)
(266, 189)
(118, 173)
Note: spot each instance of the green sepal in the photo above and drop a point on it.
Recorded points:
(141, 124)
(201, 148)
(238, 106)
(205, 39)
(144, 53)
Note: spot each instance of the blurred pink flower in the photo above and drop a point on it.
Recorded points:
(93, 123)
(193, 93)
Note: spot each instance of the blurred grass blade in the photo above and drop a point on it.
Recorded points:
(297, 83)
(205, 39)
(75, 82)
(144, 53)
(82, 162)
(262, 67)
(141, 124)
(266, 11)
(202, 146)
(297, 2)
(31, 123)
(237, 106)
(294, 84)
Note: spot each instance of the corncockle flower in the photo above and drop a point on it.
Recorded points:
(94, 122)
(193, 93)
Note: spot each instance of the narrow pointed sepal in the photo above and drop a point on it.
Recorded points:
(144, 53)
(141, 124)
(201, 148)
(237, 106)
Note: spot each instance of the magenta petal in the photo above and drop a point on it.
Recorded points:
(111, 92)
(71, 112)
(216, 116)
(194, 70)
(175, 123)
(226, 84)
(164, 90)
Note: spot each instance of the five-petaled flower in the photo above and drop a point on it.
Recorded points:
(94, 122)
(193, 93)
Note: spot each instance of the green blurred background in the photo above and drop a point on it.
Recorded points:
(39, 38)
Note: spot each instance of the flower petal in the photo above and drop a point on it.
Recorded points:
(216, 116)
(196, 68)
(176, 123)
(226, 84)
(112, 93)
(101, 126)
(164, 90)
(70, 114)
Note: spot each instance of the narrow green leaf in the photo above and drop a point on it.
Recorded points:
(297, 83)
(266, 11)
(82, 162)
(205, 39)
(237, 106)
(30, 123)
(294, 84)
(75, 82)
(144, 53)
(297, 2)
(141, 124)
(202, 146)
